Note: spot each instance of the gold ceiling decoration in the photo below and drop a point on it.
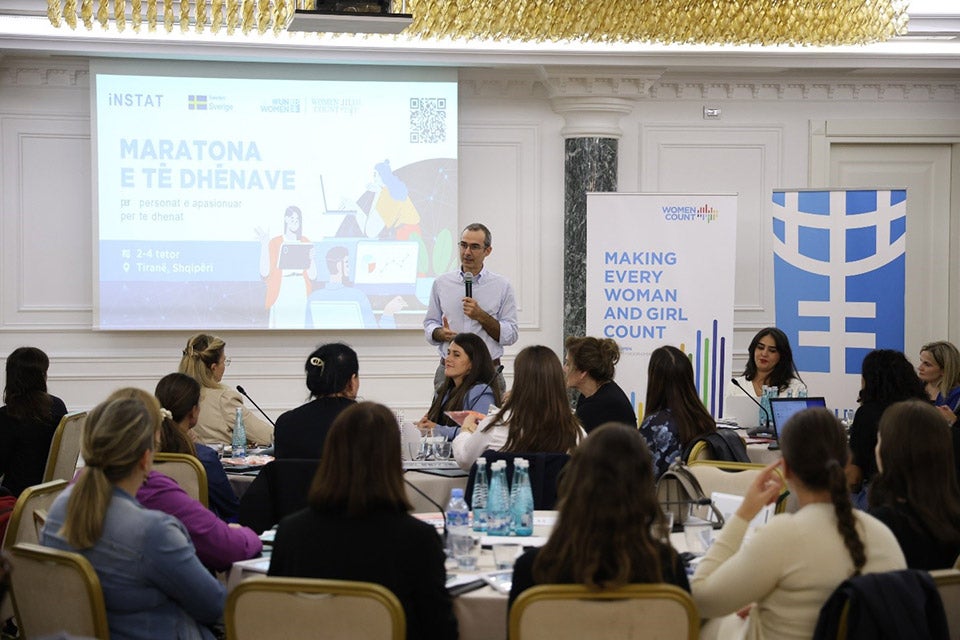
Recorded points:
(761, 22)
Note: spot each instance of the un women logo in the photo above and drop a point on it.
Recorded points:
(839, 274)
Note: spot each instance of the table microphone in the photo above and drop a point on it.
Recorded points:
(240, 389)
(750, 395)
(467, 284)
(496, 373)
(434, 503)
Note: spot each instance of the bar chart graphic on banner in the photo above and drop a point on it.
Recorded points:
(839, 276)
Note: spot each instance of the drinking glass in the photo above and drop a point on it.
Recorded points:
(415, 449)
(504, 555)
(465, 550)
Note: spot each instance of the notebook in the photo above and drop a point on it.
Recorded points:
(782, 409)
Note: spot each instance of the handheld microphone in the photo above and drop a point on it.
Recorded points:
(750, 395)
(434, 503)
(240, 389)
(467, 284)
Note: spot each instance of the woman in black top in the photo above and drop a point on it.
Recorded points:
(602, 537)
(28, 420)
(357, 526)
(333, 380)
(915, 492)
(589, 367)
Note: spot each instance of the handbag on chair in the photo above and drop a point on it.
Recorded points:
(678, 490)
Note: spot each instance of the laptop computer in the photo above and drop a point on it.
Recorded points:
(326, 208)
(782, 409)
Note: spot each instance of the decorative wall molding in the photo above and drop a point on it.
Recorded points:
(62, 73)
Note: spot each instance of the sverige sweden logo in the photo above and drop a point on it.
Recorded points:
(839, 274)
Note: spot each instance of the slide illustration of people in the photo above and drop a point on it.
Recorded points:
(339, 289)
(393, 204)
(287, 266)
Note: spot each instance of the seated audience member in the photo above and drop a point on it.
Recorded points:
(205, 360)
(357, 526)
(536, 418)
(589, 366)
(333, 380)
(28, 419)
(770, 364)
(602, 537)
(939, 370)
(218, 544)
(675, 415)
(153, 584)
(179, 394)
(791, 565)
(887, 377)
(915, 491)
(470, 385)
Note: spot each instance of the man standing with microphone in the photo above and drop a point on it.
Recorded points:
(471, 300)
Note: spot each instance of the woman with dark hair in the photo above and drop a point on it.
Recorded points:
(770, 364)
(470, 385)
(915, 492)
(675, 414)
(179, 395)
(793, 563)
(205, 360)
(607, 507)
(218, 544)
(357, 525)
(589, 367)
(153, 584)
(28, 419)
(286, 293)
(333, 380)
(536, 418)
(887, 377)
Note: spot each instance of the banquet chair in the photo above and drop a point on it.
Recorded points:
(948, 584)
(559, 612)
(700, 451)
(38, 498)
(545, 470)
(187, 471)
(730, 477)
(305, 607)
(55, 592)
(65, 448)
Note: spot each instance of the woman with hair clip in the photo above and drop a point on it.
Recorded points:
(780, 579)
(887, 377)
(333, 380)
(470, 385)
(357, 525)
(153, 584)
(675, 413)
(536, 418)
(205, 360)
(179, 394)
(607, 507)
(28, 419)
(589, 366)
(218, 544)
(915, 492)
(770, 364)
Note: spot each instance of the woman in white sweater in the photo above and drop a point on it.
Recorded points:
(774, 584)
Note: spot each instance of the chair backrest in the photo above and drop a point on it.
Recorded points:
(39, 497)
(948, 584)
(545, 469)
(700, 451)
(301, 607)
(65, 448)
(728, 477)
(279, 489)
(558, 612)
(187, 471)
(56, 591)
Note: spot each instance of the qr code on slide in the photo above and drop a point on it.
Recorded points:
(428, 120)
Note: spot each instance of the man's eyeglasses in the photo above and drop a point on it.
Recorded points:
(472, 247)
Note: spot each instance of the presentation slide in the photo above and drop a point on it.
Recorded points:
(271, 196)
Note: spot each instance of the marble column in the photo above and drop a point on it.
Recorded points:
(592, 102)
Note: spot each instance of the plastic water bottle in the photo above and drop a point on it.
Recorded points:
(239, 436)
(498, 501)
(479, 498)
(521, 499)
(459, 537)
